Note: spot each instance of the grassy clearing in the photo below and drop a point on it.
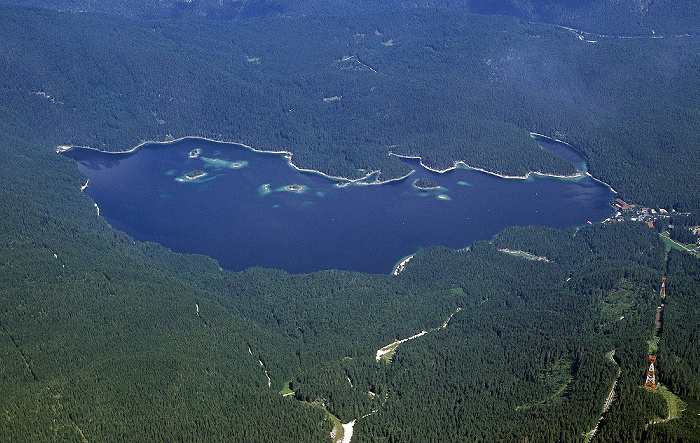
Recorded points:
(390, 349)
(337, 433)
(617, 303)
(286, 389)
(673, 403)
(557, 379)
(523, 254)
(520, 254)
(654, 341)
(686, 427)
(653, 345)
(672, 244)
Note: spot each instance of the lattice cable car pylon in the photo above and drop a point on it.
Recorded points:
(651, 374)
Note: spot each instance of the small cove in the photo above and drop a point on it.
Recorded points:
(246, 208)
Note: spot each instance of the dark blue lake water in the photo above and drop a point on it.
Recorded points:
(253, 209)
(562, 150)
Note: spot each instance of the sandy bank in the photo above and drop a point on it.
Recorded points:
(462, 163)
(402, 265)
(347, 431)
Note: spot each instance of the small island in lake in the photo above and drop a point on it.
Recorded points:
(219, 163)
(197, 173)
(195, 153)
(295, 188)
(264, 189)
(425, 184)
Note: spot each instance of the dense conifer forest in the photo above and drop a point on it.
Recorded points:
(617, 17)
(106, 339)
(443, 85)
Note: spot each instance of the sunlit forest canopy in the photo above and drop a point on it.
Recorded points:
(627, 17)
(520, 338)
(342, 92)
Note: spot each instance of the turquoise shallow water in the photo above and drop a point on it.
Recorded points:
(252, 209)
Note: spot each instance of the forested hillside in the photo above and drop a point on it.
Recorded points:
(627, 17)
(106, 339)
(113, 340)
(442, 85)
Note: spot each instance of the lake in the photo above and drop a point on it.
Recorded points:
(246, 208)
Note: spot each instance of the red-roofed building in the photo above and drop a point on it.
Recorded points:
(622, 205)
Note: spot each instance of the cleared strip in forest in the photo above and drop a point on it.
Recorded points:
(670, 243)
(673, 402)
(608, 400)
(342, 432)
(385, 353)
(524, 254)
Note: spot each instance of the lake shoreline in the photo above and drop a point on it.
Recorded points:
(342, 181)
(398, 268)
(356, 220)
(345, 181)
(535, 135)
(457, 164)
